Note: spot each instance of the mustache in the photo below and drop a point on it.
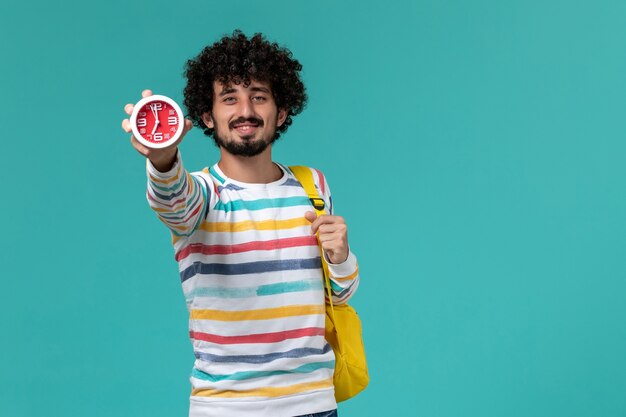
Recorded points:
(241, 120)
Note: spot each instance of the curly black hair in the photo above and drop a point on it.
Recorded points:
(238, 59)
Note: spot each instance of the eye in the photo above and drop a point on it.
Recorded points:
(259, 98)
(228, 100)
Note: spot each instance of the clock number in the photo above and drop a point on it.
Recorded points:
(158, 105)
(157, 137)
(142, 122)
(172, 120)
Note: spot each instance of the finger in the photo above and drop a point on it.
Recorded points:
(335, 244)
(129, 109)
(326, 238)
(329, 253)
(126, 125)
(336, 256)
(326, 219)
(318, 222)
(146, 93)
(188, 126)
(331, 249)
(331, 228)
(330, 237)
(310, 216)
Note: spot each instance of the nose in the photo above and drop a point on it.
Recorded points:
(246, 109)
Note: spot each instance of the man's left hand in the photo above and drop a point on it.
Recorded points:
(332, 234)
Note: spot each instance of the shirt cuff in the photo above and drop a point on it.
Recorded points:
(164, 175)
(343, 269)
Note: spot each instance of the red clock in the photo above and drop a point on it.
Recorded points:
(157, 121)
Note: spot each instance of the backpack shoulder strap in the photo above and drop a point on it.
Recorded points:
(305, 177)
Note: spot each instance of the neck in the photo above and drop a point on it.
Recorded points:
(257, 169)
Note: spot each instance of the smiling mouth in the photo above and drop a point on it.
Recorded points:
(248, 124)
(246, 127)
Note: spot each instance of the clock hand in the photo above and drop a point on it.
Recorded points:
(156, 118)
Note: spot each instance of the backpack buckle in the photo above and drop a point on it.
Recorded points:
(318, 203)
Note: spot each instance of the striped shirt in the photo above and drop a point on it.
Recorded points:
(253, 283)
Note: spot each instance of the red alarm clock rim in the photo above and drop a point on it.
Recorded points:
(133, 121)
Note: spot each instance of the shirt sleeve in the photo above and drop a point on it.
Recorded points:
(344, 277)
(178, 197)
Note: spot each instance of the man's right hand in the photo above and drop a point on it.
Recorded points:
(163, 159)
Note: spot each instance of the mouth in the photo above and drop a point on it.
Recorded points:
(246, 128)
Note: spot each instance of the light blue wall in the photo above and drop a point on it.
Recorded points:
(476, 150)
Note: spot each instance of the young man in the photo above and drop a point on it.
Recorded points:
(245, 237)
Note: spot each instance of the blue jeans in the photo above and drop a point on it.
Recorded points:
(332, 413)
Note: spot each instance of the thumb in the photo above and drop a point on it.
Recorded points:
(188, 125)
(310, 216)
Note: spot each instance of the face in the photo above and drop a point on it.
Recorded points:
(244, 118)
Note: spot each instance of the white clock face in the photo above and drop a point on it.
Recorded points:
(157, 121)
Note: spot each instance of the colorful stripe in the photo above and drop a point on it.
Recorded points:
(315, 284)
(243, 375)
(269, 357)
(205, 199)
(217, 176)
(178, 213)
(260, 314)
(246, 225)
(249, 267)
(261, 204)
(322, 181)
(348, 278)
(199, 248)
(181, 220)
(184, 229)
(229, 186)
(266, 391)
(173, 187)
(335, 287)
(182, 205)
(173, 194)
(273, 337)
(158, 180)
(291, 182)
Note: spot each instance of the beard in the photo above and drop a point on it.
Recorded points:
(248, 147)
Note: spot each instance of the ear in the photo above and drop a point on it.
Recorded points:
(282, 116)
(208, 120)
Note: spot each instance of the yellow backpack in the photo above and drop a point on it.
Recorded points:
(343, 326)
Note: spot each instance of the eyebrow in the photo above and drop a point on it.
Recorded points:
(261, 89)
(229, 90)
